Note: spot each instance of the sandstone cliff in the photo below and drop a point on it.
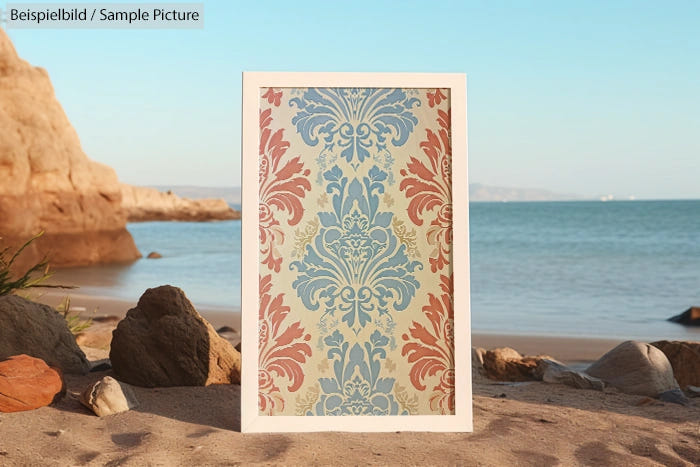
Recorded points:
(148, 204)
(47, 183)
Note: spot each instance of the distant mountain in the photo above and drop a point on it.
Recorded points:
(477, 192)
(231, 195)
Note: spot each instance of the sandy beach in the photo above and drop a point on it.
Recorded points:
(530, 423)
(514, 424)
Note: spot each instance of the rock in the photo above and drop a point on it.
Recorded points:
(108, 396)
(685, 360)
(238, 347)
(54, 187)
(27, 383)
(551, 371)
(675, 396)
(148, 204)
(506, 364)
(690, 317)
(39, 331)
(163, 341)
(226, 329)
(635, 368)
(693, 391)
(154, 255)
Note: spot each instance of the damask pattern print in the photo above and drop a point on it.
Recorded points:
(429, 187)
(356, 265)
(355, 309)
(354, 124)
(281, 350)
(431, 349)
(282, 186)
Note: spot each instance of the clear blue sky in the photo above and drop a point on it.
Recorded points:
(581, 97)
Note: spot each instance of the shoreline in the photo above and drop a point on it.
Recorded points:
(569, 350)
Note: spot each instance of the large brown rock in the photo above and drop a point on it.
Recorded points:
(635, 368)
(48, 183)
(38, 330)
(685, 360)
(148, 204)
(506, 364)
(163, 341)
(27, 383)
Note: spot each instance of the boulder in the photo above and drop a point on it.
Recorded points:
(635, 368)
(49, 184)
(685, 360)
(148, 204)
(690, 317)
(108, 396)
(163, 341)
(27, 383)
(506, 364)
(551, 371)
(38, 330)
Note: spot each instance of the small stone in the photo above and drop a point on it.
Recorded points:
(675, 396)
(108, 396)
(154, 255)
(551, 371)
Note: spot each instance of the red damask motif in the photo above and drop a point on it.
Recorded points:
(282, 186)
(429, 188)
(281, 350)
(273, 97)
(434, 98)
(431, 351)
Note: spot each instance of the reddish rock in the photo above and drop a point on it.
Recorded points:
(506, 364)
(685, 360)
(27, 383)
(49, 184)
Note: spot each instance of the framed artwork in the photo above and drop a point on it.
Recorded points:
(355, 271)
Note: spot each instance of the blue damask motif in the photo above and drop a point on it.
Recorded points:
(354, 122)
(356, 388)
(355, 264)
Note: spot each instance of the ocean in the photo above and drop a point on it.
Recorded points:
(587, 269)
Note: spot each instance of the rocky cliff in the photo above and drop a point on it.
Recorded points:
(148, 204)
(47, 183)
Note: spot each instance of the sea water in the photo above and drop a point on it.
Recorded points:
(589, 269)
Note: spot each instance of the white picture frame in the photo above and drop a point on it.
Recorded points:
(255, 85)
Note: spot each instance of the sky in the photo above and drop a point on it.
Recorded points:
(590, 98)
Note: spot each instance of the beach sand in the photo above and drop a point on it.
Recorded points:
(530, 423)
